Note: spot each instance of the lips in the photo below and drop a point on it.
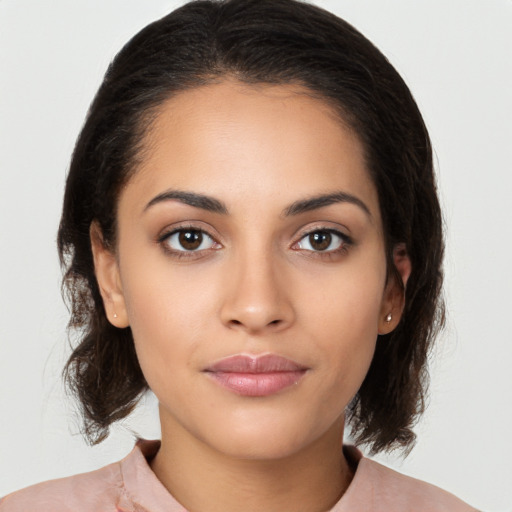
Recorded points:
(256, 376)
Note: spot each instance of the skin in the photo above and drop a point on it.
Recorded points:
(255, 286)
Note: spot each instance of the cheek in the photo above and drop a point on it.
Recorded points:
(168, 314)
(343, 319)
(348, 340)
(347, 299)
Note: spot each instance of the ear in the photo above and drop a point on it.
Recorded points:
(394, 294)
(107, 274)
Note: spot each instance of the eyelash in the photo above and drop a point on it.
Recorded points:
(164, 238)
(345, 240)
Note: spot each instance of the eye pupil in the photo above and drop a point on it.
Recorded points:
(320, 240)
(190, 239)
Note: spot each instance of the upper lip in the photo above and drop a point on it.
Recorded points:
(268, 363)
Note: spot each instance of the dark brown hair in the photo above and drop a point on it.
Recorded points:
(256, 41)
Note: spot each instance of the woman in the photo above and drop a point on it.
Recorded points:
(251, 230)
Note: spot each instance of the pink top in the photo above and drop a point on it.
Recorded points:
(131, 486)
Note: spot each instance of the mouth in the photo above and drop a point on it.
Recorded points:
(256, 376)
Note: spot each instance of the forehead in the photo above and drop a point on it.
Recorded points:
(250, 143)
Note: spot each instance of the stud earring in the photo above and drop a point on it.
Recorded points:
(389, 317)
(115, 315)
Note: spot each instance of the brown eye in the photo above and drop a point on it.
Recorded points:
(324, 240)
(320, 240)
(188, 240)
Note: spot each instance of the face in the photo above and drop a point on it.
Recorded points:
(250, 266)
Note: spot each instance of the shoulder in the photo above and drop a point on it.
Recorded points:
(389, 490)
(88, 492)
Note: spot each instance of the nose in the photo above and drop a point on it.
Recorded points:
(256, 296)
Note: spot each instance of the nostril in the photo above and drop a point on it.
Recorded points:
(271, 323)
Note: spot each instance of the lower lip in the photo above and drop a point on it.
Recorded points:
(257, 384)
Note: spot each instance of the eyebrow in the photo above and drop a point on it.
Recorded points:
(312, 203)
(213, 205)
(192, 199)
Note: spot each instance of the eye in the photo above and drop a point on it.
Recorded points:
(323, 240)
(188, 240)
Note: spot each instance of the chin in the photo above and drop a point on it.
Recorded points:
(265, 438)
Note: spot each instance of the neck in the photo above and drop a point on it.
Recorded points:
(205, 480)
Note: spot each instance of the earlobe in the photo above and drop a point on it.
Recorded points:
(107, 274)
(394, 295)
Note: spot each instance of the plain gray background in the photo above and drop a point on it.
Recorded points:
(456, 55)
